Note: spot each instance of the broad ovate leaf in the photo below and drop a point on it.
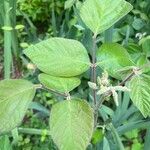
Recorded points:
(99, 15)
(59, 84)
(140, 93)
(112, 57)
(15, 97)
(59, 57)
(71, 124)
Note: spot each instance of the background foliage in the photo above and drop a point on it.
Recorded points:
(42, 19)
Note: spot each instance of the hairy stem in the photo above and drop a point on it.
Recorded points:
(93, 75)
(93, 70)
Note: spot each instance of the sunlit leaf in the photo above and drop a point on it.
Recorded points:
(71, 124)
(99, 15)
(59, 57)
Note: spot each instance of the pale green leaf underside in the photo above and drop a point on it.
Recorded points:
(99, 15)
(15, 96)
(140, 93)
(59, 84)
(59, 57)
(71, 124)
(112, 57)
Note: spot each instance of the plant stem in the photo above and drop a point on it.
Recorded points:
(93, 75)
(56, 92)
(93, 71)
(33, 131)
(7, 41)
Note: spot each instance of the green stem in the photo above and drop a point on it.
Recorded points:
(54, 26)
(33, 131)
(93, 76)
(93, 71)
(7, 42)
(53, 91)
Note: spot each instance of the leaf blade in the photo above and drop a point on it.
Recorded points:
(140, 93)
(113, 57)
(59, 57)
(59, 84)
(11, 91)
(99, 15)
(73, 116)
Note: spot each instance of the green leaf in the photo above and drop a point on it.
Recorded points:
(15, 97)
(69, 3)
(5, 143)
(19, 26)
(99, 15)
(59, 84)
(71, 124)
(59, 57)
(145, 42)
(98, 136)
(138, 23)
(113, 57)
(140, 93)
(7, 28)
(106, 145)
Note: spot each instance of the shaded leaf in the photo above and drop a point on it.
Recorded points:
(113, 57)
(69, 3)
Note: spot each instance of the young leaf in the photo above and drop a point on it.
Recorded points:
(15, 97)
(113, 57)
(71, 124)
(59, 84)
(140, 93)
(99, 15)
(59, 57)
